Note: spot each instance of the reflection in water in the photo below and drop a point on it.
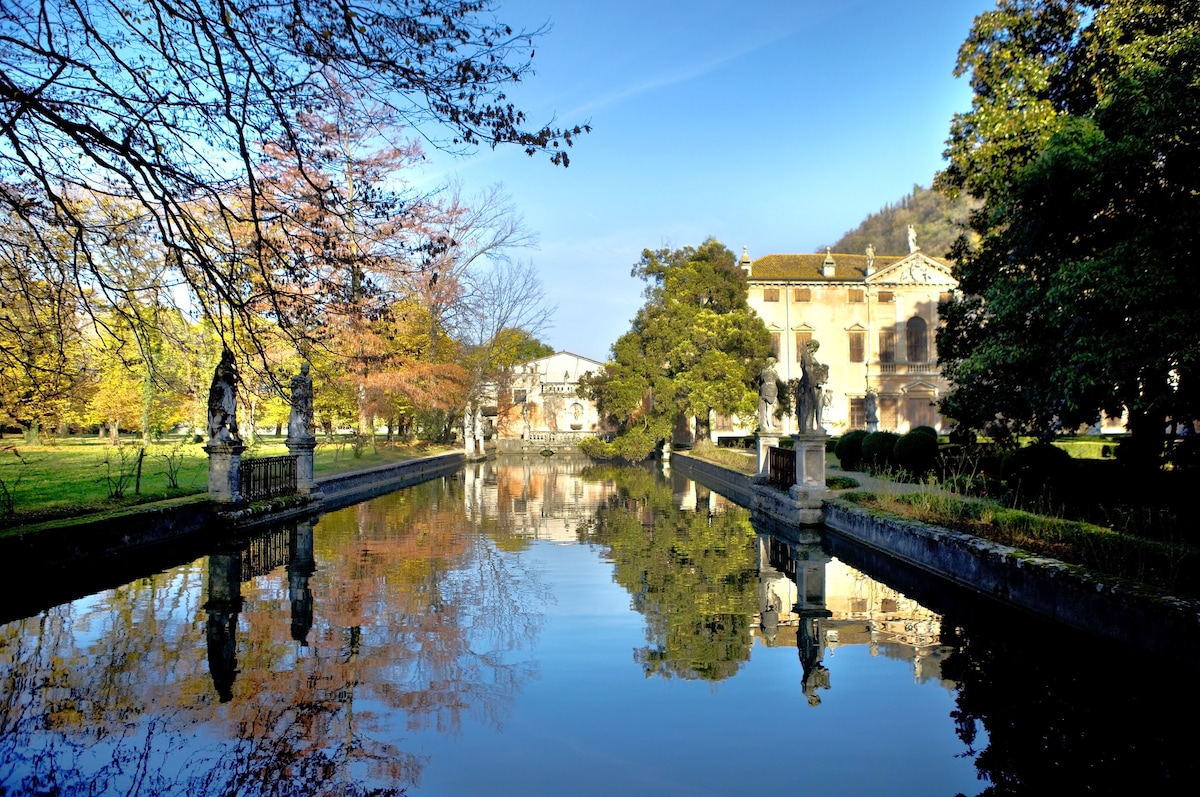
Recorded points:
(690, 573)
(341, 657)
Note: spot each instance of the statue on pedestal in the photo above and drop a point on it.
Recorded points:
(222, 402)
(300, 418)
(871, 404)
(810, 393)
(768, 396)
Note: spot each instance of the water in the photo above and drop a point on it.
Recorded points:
(542, 628)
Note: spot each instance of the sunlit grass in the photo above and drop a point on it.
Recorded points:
(1163, 565)
(79, 475)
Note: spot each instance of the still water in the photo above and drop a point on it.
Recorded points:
(545, 627)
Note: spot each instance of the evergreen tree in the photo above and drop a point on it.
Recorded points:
(695, 347)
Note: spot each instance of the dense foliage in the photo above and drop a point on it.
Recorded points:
(695, 348)
(1083, 143)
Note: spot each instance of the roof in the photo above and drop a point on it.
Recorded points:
(806, 267)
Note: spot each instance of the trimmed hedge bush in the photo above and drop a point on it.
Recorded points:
(917, 451)
(849, 449)
(1038, 472)
(879, 450)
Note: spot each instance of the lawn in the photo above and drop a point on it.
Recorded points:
(69, 476)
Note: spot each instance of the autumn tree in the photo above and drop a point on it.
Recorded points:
(1082, 144)
(170, 104)
(695, 348)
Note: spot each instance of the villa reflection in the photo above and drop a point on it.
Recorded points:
(808, 599)
(534, 497)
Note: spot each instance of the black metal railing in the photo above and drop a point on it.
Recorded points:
(781, 467)
(268, 477)
(266, 552)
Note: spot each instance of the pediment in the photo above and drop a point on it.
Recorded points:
(915, 269)
(920, 387)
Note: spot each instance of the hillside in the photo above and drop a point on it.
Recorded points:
(938, 222)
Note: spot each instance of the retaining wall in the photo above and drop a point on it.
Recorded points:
(1082, 599)
(1066, 593)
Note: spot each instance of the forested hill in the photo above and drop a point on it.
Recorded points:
(938, 222)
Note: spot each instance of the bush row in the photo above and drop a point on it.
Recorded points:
(915, 453)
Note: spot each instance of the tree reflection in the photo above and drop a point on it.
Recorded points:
(1069, 716)
(302, 681)
(693, 575)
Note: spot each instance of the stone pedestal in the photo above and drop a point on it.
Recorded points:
(302, 450)
(765, 440)
(225, 471)
(810, 460)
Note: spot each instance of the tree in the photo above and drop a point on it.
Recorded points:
(695, 347)
(1078, 294)
(171, 104)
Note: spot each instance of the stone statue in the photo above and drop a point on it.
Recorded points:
(300, 420)
(871, 404)
(912, 239)
(810, 393)
(222, 402)
(870, 257)
(768, 396)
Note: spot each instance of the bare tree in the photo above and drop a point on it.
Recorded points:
(172, 103)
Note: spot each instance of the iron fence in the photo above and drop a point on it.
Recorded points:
(268, 477)
(781, 467)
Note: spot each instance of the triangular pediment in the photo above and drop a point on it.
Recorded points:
(920, 387)
(915, 269)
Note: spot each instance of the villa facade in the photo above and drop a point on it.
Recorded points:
(874, 319)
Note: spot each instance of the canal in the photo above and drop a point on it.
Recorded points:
(550, 627)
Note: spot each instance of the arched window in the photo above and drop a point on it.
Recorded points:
(918, 340)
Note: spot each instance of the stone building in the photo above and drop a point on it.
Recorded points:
(874, 318)
(540, 408)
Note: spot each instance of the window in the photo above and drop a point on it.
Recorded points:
(855, 295)
(858, 413)
(888, 412)
(858, 345)
(770, 294)
(518, 396)
(802, 295)
(918, 343)
(887, 345)
(886, 297)
(802, 339)
(775, 345)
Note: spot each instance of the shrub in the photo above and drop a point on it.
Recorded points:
(879, 450)
(927, 430)
(917, 451)
(1040, 473)
(849, 449)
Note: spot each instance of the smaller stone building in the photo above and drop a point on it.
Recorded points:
(540, 408)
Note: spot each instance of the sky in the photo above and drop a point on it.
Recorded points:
(767, 124)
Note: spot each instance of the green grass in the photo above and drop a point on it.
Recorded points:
(738, 459)
(1174, 568)
(75, 476)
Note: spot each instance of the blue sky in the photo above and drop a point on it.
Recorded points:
(767, 124)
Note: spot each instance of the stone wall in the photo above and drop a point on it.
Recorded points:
(1066, 593)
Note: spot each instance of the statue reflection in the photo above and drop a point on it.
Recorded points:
(792, 595)
(224, 604)
(240, 561)
(300, 568)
